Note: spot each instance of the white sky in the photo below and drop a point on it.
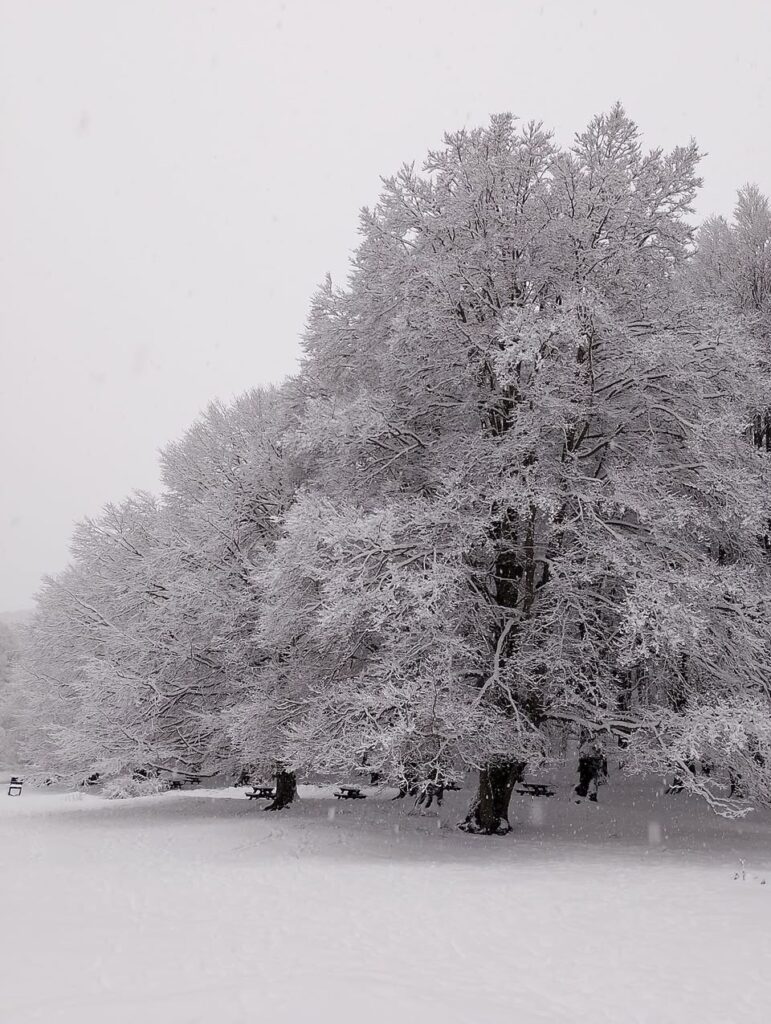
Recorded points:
(177, 176)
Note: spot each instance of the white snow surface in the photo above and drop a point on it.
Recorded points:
(200, 907)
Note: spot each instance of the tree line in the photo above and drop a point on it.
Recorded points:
(517, 492)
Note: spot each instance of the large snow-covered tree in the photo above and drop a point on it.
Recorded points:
(541, 505)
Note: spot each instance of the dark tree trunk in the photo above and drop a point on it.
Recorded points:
(286, 791)
(245, 775)
(489, 811)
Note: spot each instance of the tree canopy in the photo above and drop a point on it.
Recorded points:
(511, 495)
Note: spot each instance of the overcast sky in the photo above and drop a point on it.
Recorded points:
(176, 177)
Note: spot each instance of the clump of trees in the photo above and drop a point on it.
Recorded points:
(11, 695)
(512, 493)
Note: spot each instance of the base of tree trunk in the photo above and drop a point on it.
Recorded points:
(488, 814)
(286, 791)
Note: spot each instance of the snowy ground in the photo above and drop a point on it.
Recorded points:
(199, 907)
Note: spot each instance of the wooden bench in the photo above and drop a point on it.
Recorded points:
(535, 789)
(261, 793)
(350, 793)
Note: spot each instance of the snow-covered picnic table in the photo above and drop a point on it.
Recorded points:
(535, 789)
(179, 783)
(350, 793)
(261, 793)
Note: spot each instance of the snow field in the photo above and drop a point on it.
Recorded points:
(198, 907)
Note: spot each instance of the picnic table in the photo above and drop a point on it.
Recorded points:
(535, 789)
(261, 793)
(179, 783)
(350, 793)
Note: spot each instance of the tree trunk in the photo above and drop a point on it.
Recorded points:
(245, 775)
(489, 811)
(286, 791)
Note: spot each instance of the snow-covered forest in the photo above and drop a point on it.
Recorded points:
(515, 500)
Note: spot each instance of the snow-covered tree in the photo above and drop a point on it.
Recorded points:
(143, 649)
(11, 716)
(732, 265)
(230, 481)
(106, 652)
(733, 260)
(530, 436)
